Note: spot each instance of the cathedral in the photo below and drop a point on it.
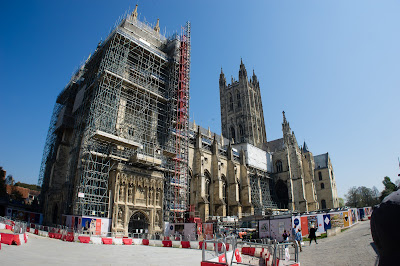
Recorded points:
(120, 148)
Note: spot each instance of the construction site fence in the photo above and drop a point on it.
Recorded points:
(253, 253)
(17, 227)
(285, 251)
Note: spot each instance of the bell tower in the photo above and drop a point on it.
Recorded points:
(242, 117)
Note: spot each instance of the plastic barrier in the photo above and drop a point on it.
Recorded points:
(57, 235)
(145, 242)
(117, 241)
(185, 244)
(107, 241)
(167, 243)
(36, 231)
(51, 235)
(84, 239)
(7, 238)
(127, 241)
(96, 240)
(137, 241)
(220, 247)
(201, 245)
(8, 227)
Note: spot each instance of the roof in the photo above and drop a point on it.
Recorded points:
(276, 145)
(321, 161)
(24, 191)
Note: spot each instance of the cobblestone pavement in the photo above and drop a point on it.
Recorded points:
(47, 251)
(351, 247)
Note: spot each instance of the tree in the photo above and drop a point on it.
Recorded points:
(353, 197)
(389, 187)
(341, 202)
(3, 190)
(16, 195)
(362, 197)
(10, 180)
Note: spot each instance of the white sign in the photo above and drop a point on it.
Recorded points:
(81, 195)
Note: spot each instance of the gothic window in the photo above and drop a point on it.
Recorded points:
(224, 189)
(240, 189)
(322, 186)
(279, 166)
(239, 103)
(230, 102)
(332, 174)
(233, 136)
(319, 175)
(207, 186)
(241, 132)
(323, 204)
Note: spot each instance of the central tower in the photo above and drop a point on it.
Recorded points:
(242, 117)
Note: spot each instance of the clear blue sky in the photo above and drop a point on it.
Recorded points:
(333, 66)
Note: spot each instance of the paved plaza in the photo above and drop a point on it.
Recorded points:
(352, 247)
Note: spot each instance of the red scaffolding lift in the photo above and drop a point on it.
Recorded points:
(180, 181)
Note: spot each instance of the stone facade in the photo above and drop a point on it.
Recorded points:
(136, 190)
(294, 170)
(242, 117)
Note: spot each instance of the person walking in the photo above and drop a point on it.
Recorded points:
(312, 235)
(299, 239)
(285, 236)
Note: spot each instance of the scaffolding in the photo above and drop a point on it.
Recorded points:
(130, 104)
(177, 184)
(261, 186)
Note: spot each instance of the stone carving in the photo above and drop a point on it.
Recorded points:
(120, 216)
(151, 196)
(122, 193)
(130, 193)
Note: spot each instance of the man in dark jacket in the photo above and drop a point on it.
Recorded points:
(385, 221)
(312, 234)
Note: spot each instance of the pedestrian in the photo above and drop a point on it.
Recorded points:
(312, 235)
(285, 236)
(299, 238)
(294, 232)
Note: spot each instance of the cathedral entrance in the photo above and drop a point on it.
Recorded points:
(282, 194)
(139, 223)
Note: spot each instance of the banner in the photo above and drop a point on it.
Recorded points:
(263, 227)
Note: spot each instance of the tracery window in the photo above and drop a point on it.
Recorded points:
(279, 167)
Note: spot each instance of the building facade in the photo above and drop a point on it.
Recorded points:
(120, 145)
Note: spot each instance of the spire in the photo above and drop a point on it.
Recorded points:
(255, 81)
(285, 125)
(284, 117)
(157, 27)
(134, 14)
(242, 71)
(305, 148)
(222, 79)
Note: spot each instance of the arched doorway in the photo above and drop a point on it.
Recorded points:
(282, 194)
(138, 223)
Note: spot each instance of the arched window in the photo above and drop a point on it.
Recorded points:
(278, 165)
(239, 102)
(240, 189)
(207, 186)
(320, 176)
(322, 186)
(230, 102)
(233, 136)
(332, 174)
(241, 132)
(323, 204)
